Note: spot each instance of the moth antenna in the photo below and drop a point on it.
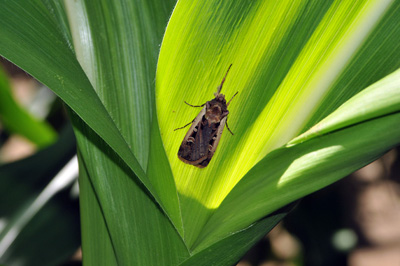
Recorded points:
(223, 80)
(228, 127)
(231, 98)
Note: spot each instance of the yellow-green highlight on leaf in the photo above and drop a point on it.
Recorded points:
(377, 58)
(17, 120)
(361, 130)
(197, 49)
(289, 173)
(305, 166)
(311, 162)
(285, 56)
(381, 98)
(331, 47)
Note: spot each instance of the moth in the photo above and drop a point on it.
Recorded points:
(201, 141)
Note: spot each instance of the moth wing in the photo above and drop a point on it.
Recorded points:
(195, 123)
(183, 154)
(217, 138)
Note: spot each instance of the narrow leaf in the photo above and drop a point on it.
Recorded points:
(30, 24)
(240, 242)
(294, 171)
(132, 221)
(286, 56)
(380, 99)
(120, 60)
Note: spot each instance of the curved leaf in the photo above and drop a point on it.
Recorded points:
(131, 223)
(239, 241)
(33, 28)
(351, 137)
(122, 70)
(380, 99)
(287, 58)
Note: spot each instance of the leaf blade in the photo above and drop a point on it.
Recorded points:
(300, 168)
(379, 99)
(30, 24)
(279, 95)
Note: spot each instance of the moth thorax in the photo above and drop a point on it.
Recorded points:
(214, 113)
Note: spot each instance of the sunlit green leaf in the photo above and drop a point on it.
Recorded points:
(293, 63)
(296, 170)
(288, 58)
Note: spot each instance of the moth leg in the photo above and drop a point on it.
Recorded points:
(195, 105)
(185, 125)
(228, 127)
(231, 98)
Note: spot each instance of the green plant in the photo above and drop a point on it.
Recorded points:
(294, 64)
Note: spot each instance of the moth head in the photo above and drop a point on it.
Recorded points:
(220, 97)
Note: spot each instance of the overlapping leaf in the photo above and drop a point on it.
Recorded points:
(346, 140)
(122, 70)
(289, 59)
(33, 26)
(30, 25)
(294, 62)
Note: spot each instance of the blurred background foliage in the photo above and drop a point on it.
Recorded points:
(39, 209)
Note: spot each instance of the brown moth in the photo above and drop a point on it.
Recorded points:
(201, 141)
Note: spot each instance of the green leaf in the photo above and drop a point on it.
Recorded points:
(380, 99)
(377, 58)
(32, 26)
(240, 242)
(334, 148)
(132, 220)
(108, 175)
(57, 11)
(17, 120)
(122, 70)
(120, 78)
(290, 173)
(96, 242)
(288, 58)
